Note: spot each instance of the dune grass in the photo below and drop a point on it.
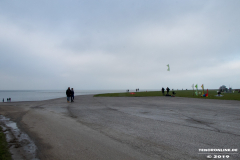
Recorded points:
(179, 93)
(4, 153)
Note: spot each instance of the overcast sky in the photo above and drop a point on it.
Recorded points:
(119, 44)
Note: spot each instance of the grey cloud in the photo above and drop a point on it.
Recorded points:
(110, 44)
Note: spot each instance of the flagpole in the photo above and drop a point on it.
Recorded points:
(193, 88)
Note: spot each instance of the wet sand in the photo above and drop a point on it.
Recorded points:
(127, 127)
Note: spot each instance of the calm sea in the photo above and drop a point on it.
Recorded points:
(38, 95)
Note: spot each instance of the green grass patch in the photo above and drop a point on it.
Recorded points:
(179, 93)
(128, 94)
(4, 153)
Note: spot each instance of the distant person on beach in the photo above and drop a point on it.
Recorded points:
(68, 93)
(163, 90)
(3, 99)
(72, 95)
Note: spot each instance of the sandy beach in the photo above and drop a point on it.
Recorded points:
(126, 128)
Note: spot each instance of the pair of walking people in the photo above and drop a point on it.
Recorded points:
(164, 89)
(70, 94)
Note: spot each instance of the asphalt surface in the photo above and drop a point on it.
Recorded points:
(165, 128)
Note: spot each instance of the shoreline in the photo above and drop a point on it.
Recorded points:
(40, 97)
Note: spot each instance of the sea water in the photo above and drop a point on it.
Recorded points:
(38, 95)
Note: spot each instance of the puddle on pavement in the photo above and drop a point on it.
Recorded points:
(20, 144)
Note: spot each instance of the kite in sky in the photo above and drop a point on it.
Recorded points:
(168, 68)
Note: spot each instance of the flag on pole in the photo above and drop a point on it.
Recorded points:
(196, 90)
(202, 88)
(196, 86)
(168, 68)
(193, 88)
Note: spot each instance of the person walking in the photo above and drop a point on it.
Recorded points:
(163, 90)
(68, 93)
(72, 95)
(167, 90)
(3, 99)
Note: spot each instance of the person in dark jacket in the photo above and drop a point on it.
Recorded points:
(167, 90)
(163, 90)
(68, 93)
(72, 95)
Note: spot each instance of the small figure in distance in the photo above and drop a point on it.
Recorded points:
(167, 90)
(136, 90)
(10, 99)
(3, 99)
(72, 95)
(7, 99)
(68, 93)
(163, 90)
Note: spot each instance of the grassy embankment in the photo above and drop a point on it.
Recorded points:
(179, 93)
(4, 153)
